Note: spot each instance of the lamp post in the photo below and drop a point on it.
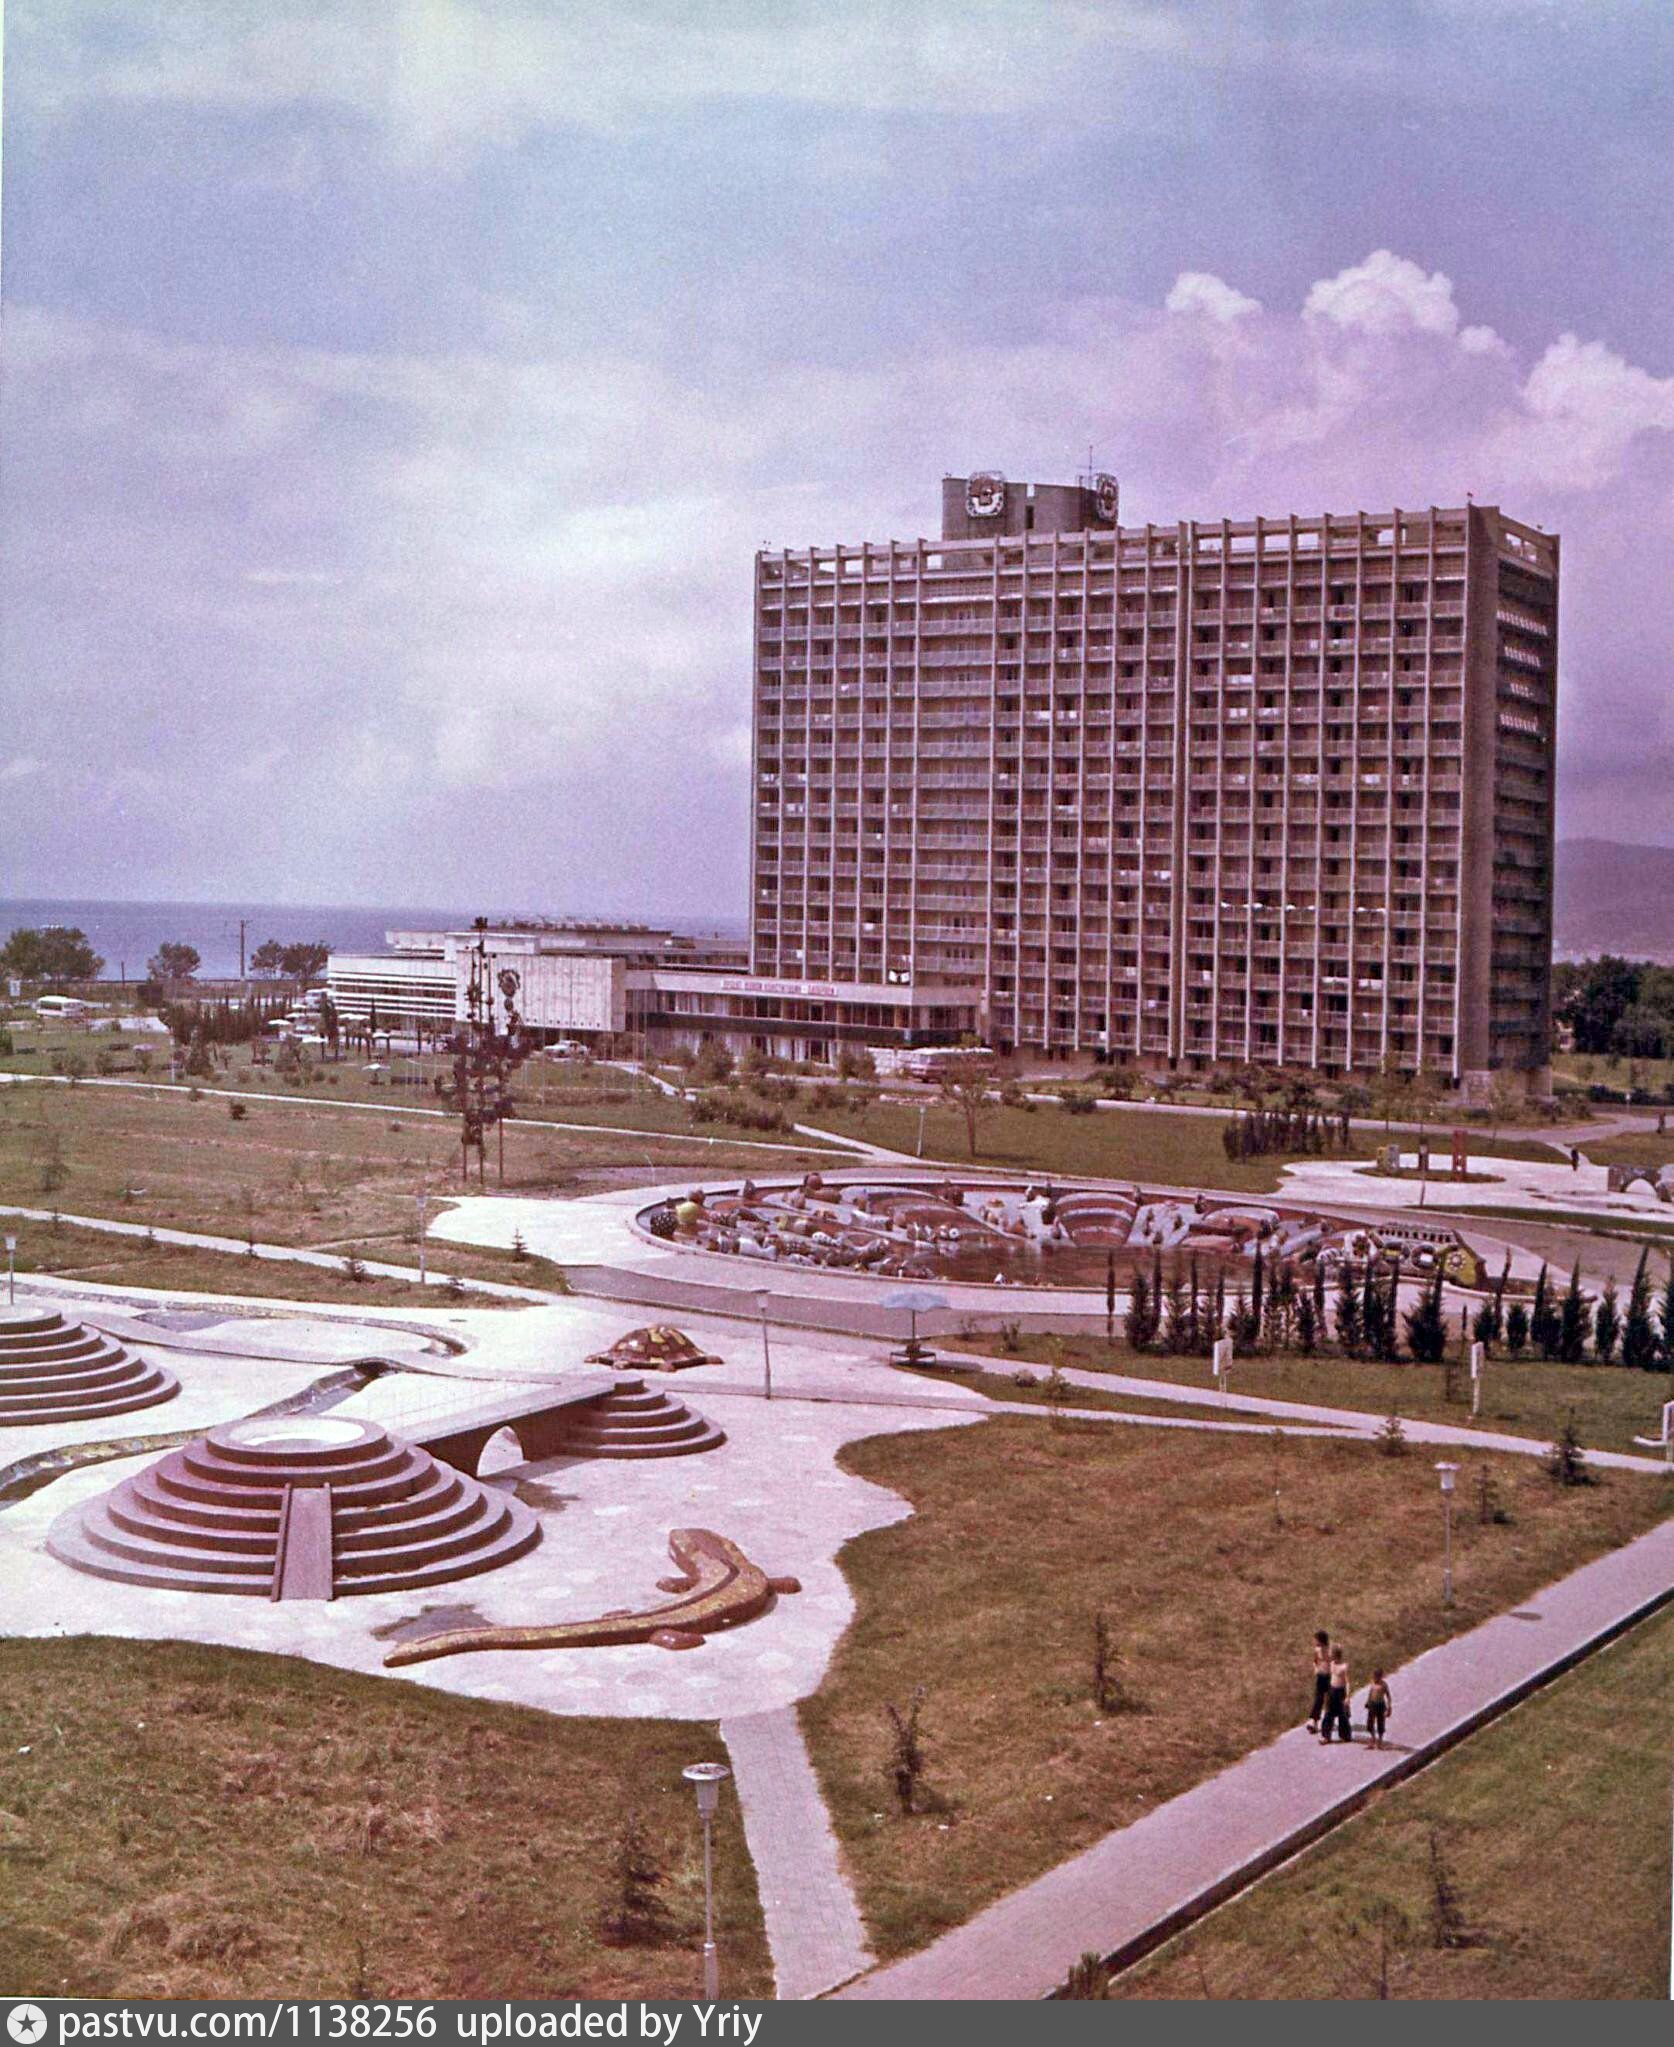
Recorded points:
(763, 1297)
(11, 1272)
(1447, 1473)
(423, 1204)
(921, 1109)
(706, 1780)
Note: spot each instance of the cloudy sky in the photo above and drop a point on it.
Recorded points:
(397, 392)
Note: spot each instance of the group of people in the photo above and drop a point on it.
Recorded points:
(1329, 1711)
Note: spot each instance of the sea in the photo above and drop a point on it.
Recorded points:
(127, 934)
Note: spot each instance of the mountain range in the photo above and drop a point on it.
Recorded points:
(1614, 898)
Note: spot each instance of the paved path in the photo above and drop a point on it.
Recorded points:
(1135, 1887)
(813, 1924)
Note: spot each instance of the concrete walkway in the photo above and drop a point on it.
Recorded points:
(1136, 1887)
(813, 1924)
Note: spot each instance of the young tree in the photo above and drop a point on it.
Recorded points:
(906, 1752)
(1175, 1320)
(1307, 1325)
(1607, 1324)
(968, 1093)
(1516, 1329)
(636, 1913)
(1639, 1335)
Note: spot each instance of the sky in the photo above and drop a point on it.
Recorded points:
(395, 394)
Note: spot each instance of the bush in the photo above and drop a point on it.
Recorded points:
(1078, 1101)
(237, 1111)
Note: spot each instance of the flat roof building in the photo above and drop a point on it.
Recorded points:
(1271, 790)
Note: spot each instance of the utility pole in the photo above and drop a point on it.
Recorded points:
(241, 924)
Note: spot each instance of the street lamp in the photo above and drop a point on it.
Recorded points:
(1446, 1473)
(422, 1201)
(921, 1109)
(763, 1297)
(706, 1780)
(11, 1272)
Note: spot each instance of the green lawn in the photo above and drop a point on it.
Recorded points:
(1154, 1148)
(1611, 1406)
(984, 1601)
(1554, 1824)
(1632, 1148)
(186, 1822)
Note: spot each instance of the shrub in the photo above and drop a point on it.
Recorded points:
(237, 1111)
(1392, 1438)
(906, 1753)
(1566, 1462)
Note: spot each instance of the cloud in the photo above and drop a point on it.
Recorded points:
(1390, 294)
(1584, 408)
(1201, 293)
(494, 612)
(436, 75)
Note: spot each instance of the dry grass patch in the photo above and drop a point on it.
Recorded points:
(292, 1173)
(97, 1256)
(177, 1821)
(1023, 1532)
(1563, 1893)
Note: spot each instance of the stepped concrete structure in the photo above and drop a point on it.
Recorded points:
(635, 1420)
(295, 1507)
(57, 1371)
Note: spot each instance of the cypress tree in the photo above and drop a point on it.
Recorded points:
(1639, 1335)
(1257, 1279)
(1665, 1349)
(1427, 1327)
(1351, 1330)
(1607, 1324)
(1573, 1320)
(1543, 1321)
(1142, 1318)
(1516, 1329)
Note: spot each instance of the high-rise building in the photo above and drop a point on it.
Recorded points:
(1272, 790)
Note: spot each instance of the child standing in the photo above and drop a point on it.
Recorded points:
(1322, 1678)
(1337, 1698)
(1379, 1705)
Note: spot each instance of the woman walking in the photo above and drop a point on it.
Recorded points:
(1337, 1697)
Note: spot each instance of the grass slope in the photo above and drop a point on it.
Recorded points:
(1023, 1531)
(177, 1821)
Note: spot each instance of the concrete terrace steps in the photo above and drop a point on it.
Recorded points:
(294, 1507)
(55, 1371)
(634, 1420)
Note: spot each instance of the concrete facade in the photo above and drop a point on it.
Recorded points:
(1277, 790)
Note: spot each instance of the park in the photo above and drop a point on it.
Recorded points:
(420, 1514)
